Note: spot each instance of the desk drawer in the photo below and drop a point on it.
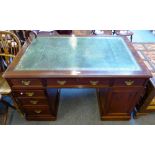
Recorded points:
(62, 82)
(36, 110)
(32, 101)
(69, 82)
(29, 93)
(129, 82)
(41, 117)
(94, 82)
(26, 83)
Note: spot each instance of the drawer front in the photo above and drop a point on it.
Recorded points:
(67, 82)
(41, 117)
(26, 82)
(94, 82)
(32, 101)
(150, 108)
(37, 110)
(129, 82)
(62, 82)
(29, 93)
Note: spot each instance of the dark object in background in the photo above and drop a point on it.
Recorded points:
(6, 102)
(20, 34)
(64, 32)
(23, 35)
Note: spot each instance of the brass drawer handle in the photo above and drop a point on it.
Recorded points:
(152, 102)
(33, 102)
(93, 83)
(26, 82)
(129, 82)
(29, 94)
(38, 111)
(61, 82)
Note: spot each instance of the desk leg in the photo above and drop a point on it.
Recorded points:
(131, 38)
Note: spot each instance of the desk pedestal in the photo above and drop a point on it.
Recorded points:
(38, 105)
(118, 103)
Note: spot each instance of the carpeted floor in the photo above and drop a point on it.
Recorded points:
(147, 52)
(3, 118)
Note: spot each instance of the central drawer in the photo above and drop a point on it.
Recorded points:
(76, 82)
(61, 82)
(92, 82)
(29, 93)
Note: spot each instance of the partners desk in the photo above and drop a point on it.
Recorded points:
(47, 64)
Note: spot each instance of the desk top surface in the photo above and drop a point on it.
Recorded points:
(77, 56)
(78, 53)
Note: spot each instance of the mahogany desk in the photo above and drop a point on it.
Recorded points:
(108, 64)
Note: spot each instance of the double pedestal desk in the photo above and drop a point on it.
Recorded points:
(48, 64)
